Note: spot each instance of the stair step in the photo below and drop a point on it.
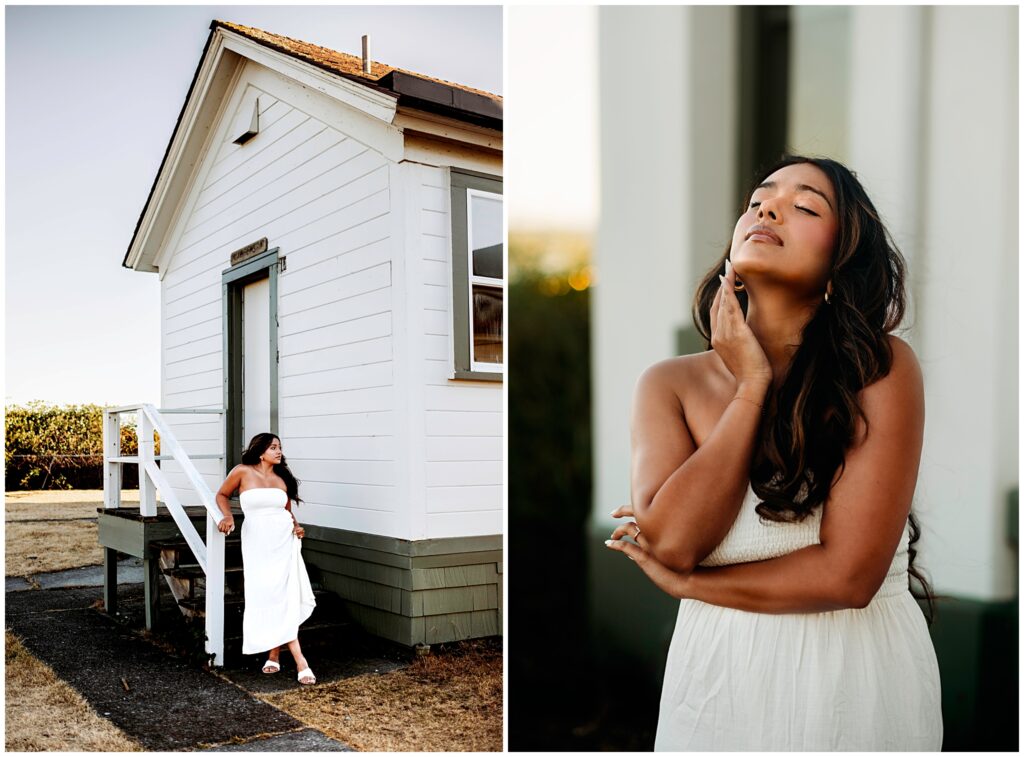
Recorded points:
(305, 628)
(198, 604)
(231, 542)
(195, 572)
(182, 553)
(236, 601)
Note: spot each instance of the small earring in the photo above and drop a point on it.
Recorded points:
(738, 286)
(828, 296)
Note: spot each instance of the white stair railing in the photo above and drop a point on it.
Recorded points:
(209, 555)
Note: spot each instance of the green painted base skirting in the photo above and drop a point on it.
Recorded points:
(411, 592)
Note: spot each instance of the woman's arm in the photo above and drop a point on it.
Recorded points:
(296, 528)
(685, 499)
(223, 497)
(861, 525)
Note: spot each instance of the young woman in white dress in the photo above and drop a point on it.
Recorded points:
(278, 594)
(772, 479)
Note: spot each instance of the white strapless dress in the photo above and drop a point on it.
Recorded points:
(861, 679)
(278, 595)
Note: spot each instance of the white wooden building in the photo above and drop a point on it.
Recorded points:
(330, 249)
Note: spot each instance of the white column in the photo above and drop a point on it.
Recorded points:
(147, 450)
(968, 316)
(886, 117)
(667, 120)
(215, 549)
(112, 471)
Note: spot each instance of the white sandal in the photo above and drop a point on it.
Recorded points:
(273, 665)
(306, 677)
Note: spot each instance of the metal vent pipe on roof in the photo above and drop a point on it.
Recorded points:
(367, 69)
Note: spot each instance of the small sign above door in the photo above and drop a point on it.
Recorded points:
(249, 251)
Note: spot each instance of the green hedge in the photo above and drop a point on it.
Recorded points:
(61, 447)
(549, 401)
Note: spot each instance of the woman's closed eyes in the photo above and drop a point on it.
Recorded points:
(805, 210)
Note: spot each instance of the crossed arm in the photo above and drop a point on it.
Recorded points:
(860, 529)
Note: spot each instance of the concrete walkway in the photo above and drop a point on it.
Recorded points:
(162, 701)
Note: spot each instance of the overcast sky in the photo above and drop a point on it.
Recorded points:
(92, 96)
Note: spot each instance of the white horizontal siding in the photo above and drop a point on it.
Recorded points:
(349, 472)
(359, 197)
(196, 364)
(338, 401)
(462, 420)
(346, 496)
(464, 473)
(232, 157)
(354, 377)
(342, 164)
(364, 246)
(262, 176)
(338, 300)
(348, 331)
(197, 435)
(341, 448)
(453, 448)
(463, 498)
(324, 425)
(478, 522)
(336, 394)
(315, 359)
(367, 520)
(323, 199)
(467, 423)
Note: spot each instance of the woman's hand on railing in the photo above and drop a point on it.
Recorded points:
(227, 524)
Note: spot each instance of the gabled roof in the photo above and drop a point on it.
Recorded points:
(403, 89)
(467, 103)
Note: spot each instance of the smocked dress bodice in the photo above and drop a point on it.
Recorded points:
(753, 538)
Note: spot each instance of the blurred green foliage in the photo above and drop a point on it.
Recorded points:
(61, 447)
(549, 402)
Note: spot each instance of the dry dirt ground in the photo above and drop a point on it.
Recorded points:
(53, 530)
(450, 700)
(44, 714)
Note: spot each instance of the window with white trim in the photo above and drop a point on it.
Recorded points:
(478, 276)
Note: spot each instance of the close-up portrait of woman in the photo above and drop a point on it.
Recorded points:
(763, 428)
(772, 481)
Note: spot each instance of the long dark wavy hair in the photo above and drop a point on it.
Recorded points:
(251, 456)
(809, 421)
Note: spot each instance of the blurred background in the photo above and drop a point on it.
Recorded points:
(633, 134)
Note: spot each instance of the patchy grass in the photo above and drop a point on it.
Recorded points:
(59, 504)
(53, 530)
(42, 547)
(44, 714)
(448, 701)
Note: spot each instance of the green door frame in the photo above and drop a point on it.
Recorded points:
(233, 281)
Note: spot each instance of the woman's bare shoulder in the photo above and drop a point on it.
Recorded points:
(679, 373)
(904, 371)
(902, 352)
(239, 472)
(898, 394)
